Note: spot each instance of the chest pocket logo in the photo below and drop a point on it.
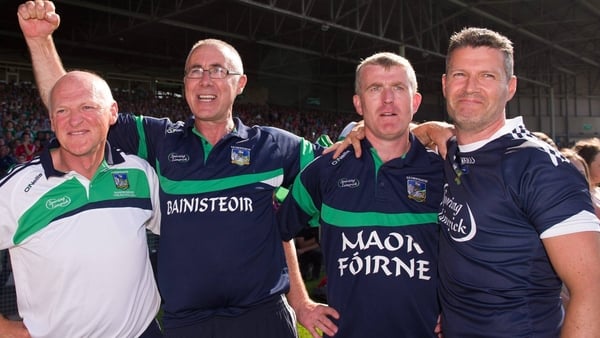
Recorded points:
(348, 183)
(178, 157)
(58, 203)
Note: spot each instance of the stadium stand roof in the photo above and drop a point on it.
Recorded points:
(321, 41)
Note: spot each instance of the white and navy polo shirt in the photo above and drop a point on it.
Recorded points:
(78, 247)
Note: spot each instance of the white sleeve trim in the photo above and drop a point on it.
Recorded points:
(583, 221)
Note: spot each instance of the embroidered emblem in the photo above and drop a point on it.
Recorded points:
(61, 202)
(240, 156)
(121, 181)
(173, 157)
(348, 183)
(416, 188)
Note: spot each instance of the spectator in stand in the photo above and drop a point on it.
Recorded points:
(26, 148)
(589, 150)
(306, 123)
(38, 147)
(42, 139)
(10, 141)
(9, 129)
(578, 162)
(7, 160)
(25, 131)
(14, 144)
(544, 137)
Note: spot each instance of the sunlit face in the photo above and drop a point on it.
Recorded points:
(477, 88)
(595, 170)
(386, 101)
(212, 99)
(81, 113)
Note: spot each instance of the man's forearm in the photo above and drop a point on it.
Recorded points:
(297, 294)
(47, 67)
(581, 318)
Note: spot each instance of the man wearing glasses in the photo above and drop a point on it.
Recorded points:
(221, 268)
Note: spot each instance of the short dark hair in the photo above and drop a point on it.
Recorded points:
(482, 37)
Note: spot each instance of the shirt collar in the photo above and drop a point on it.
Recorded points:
(507, 128)
(112, 156)
(415, 157)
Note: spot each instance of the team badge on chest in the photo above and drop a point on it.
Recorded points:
(416, 188)
(121, 181)
(240, 156)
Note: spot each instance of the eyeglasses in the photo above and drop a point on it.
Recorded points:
(214, 72)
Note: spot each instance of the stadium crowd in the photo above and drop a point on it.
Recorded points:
(25, 128)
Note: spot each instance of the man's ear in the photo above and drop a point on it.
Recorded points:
(444, 85)
(357, 104)
(512, 87)
(242, 84)
(416, 102)
(114, 113)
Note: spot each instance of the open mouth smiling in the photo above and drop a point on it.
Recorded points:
(206, 97)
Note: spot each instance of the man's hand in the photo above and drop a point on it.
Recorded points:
(438, 328)
(315, 317)
(13, 328)
(38, 19)
(352, 139)
(434, 134)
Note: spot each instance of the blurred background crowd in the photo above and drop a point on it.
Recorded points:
(25, 128)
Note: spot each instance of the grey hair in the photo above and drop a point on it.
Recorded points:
(387, 60)
(235, 58)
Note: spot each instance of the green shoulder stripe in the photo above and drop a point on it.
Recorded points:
(307, 153)
(305, 201)
(142, 148)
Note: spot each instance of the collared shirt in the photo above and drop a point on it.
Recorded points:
(78, 247)
(502, 196)
(379, 237)
(220, 250)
